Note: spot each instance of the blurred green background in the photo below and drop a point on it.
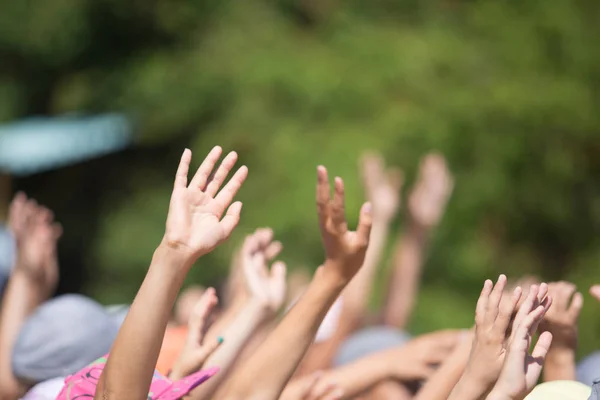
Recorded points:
(507, 90)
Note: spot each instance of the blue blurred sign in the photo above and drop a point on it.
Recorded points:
(39, 144)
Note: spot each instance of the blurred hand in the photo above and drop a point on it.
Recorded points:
(428, 199)
(312, 387)
(345, 250)
(418, 359)
(266, 286)
(595, 292)
(561, 319)
(382, 187)
(200, 216)
(521, 370)
(37, 235)
(195, 352)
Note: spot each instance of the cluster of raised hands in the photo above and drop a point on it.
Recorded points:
(254, 354)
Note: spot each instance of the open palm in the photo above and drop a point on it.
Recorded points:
(200, 216)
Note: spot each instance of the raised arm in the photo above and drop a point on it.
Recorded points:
(426, 206)
(200, 218)
(33, 280)
(266, 293)
(382, 190)
(264, 375)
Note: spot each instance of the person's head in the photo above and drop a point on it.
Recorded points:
(62, 336)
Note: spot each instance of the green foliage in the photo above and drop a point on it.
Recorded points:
(508, 91)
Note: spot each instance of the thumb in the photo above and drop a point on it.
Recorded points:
(365, 221)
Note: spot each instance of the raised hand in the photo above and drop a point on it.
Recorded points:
(36, 235)
(561, 318)
(269, 287)
(428, 199)
(195, 352)
(522, 370)
(200, 216)
(345, 250)
(382, 187)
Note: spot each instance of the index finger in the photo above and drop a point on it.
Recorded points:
(323, 191)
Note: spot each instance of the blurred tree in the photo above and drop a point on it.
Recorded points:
(508, 91)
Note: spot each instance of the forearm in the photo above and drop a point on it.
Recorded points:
(360, 375)
(560, 365)
(265, 374)
(128, 372)
(469, 388)
(356, 295)
(20, 299)
(406, 274)
(235, 336)
(440, 384)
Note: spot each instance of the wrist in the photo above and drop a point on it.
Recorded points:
(561, 354)
(327, 275)
(172, 259)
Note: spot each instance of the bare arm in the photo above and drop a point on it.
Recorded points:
(426, 206)
(443, 380)
(194, 228)
(34, 278)
(264, 375)
(383, 192)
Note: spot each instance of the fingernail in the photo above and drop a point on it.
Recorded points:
(220, 339)
(367, 207)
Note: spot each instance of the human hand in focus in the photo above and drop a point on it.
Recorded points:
(561, 318)
(266, 286)
(429, 197)
(382, 187)
(521, 370)
(200, 216)
(196, 352)
(37, 236)
(315, 386)
(418, 359)
(492, 321)
(345, 250)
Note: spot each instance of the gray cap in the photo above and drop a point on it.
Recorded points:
(588, 369)
(62, 336)
(8, 249)
(368, 341)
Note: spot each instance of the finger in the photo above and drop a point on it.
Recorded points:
(542, 346)
(576, 306)
(226, 165)
(525, 308)
(273, 250)
(321, 388)
(507, 309)
(306, 385)
(545, 305)
(57, 230)
(494, 300)
(338, 207)
(323, 194)
(562, 293)
(201, 176)
(595, 292)
(226, 195)
(278, 271)
(181, 176)
(542, 292)
(264, 237)
(482, 302)
(365, 222)
(208, 349)
(231, 219)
